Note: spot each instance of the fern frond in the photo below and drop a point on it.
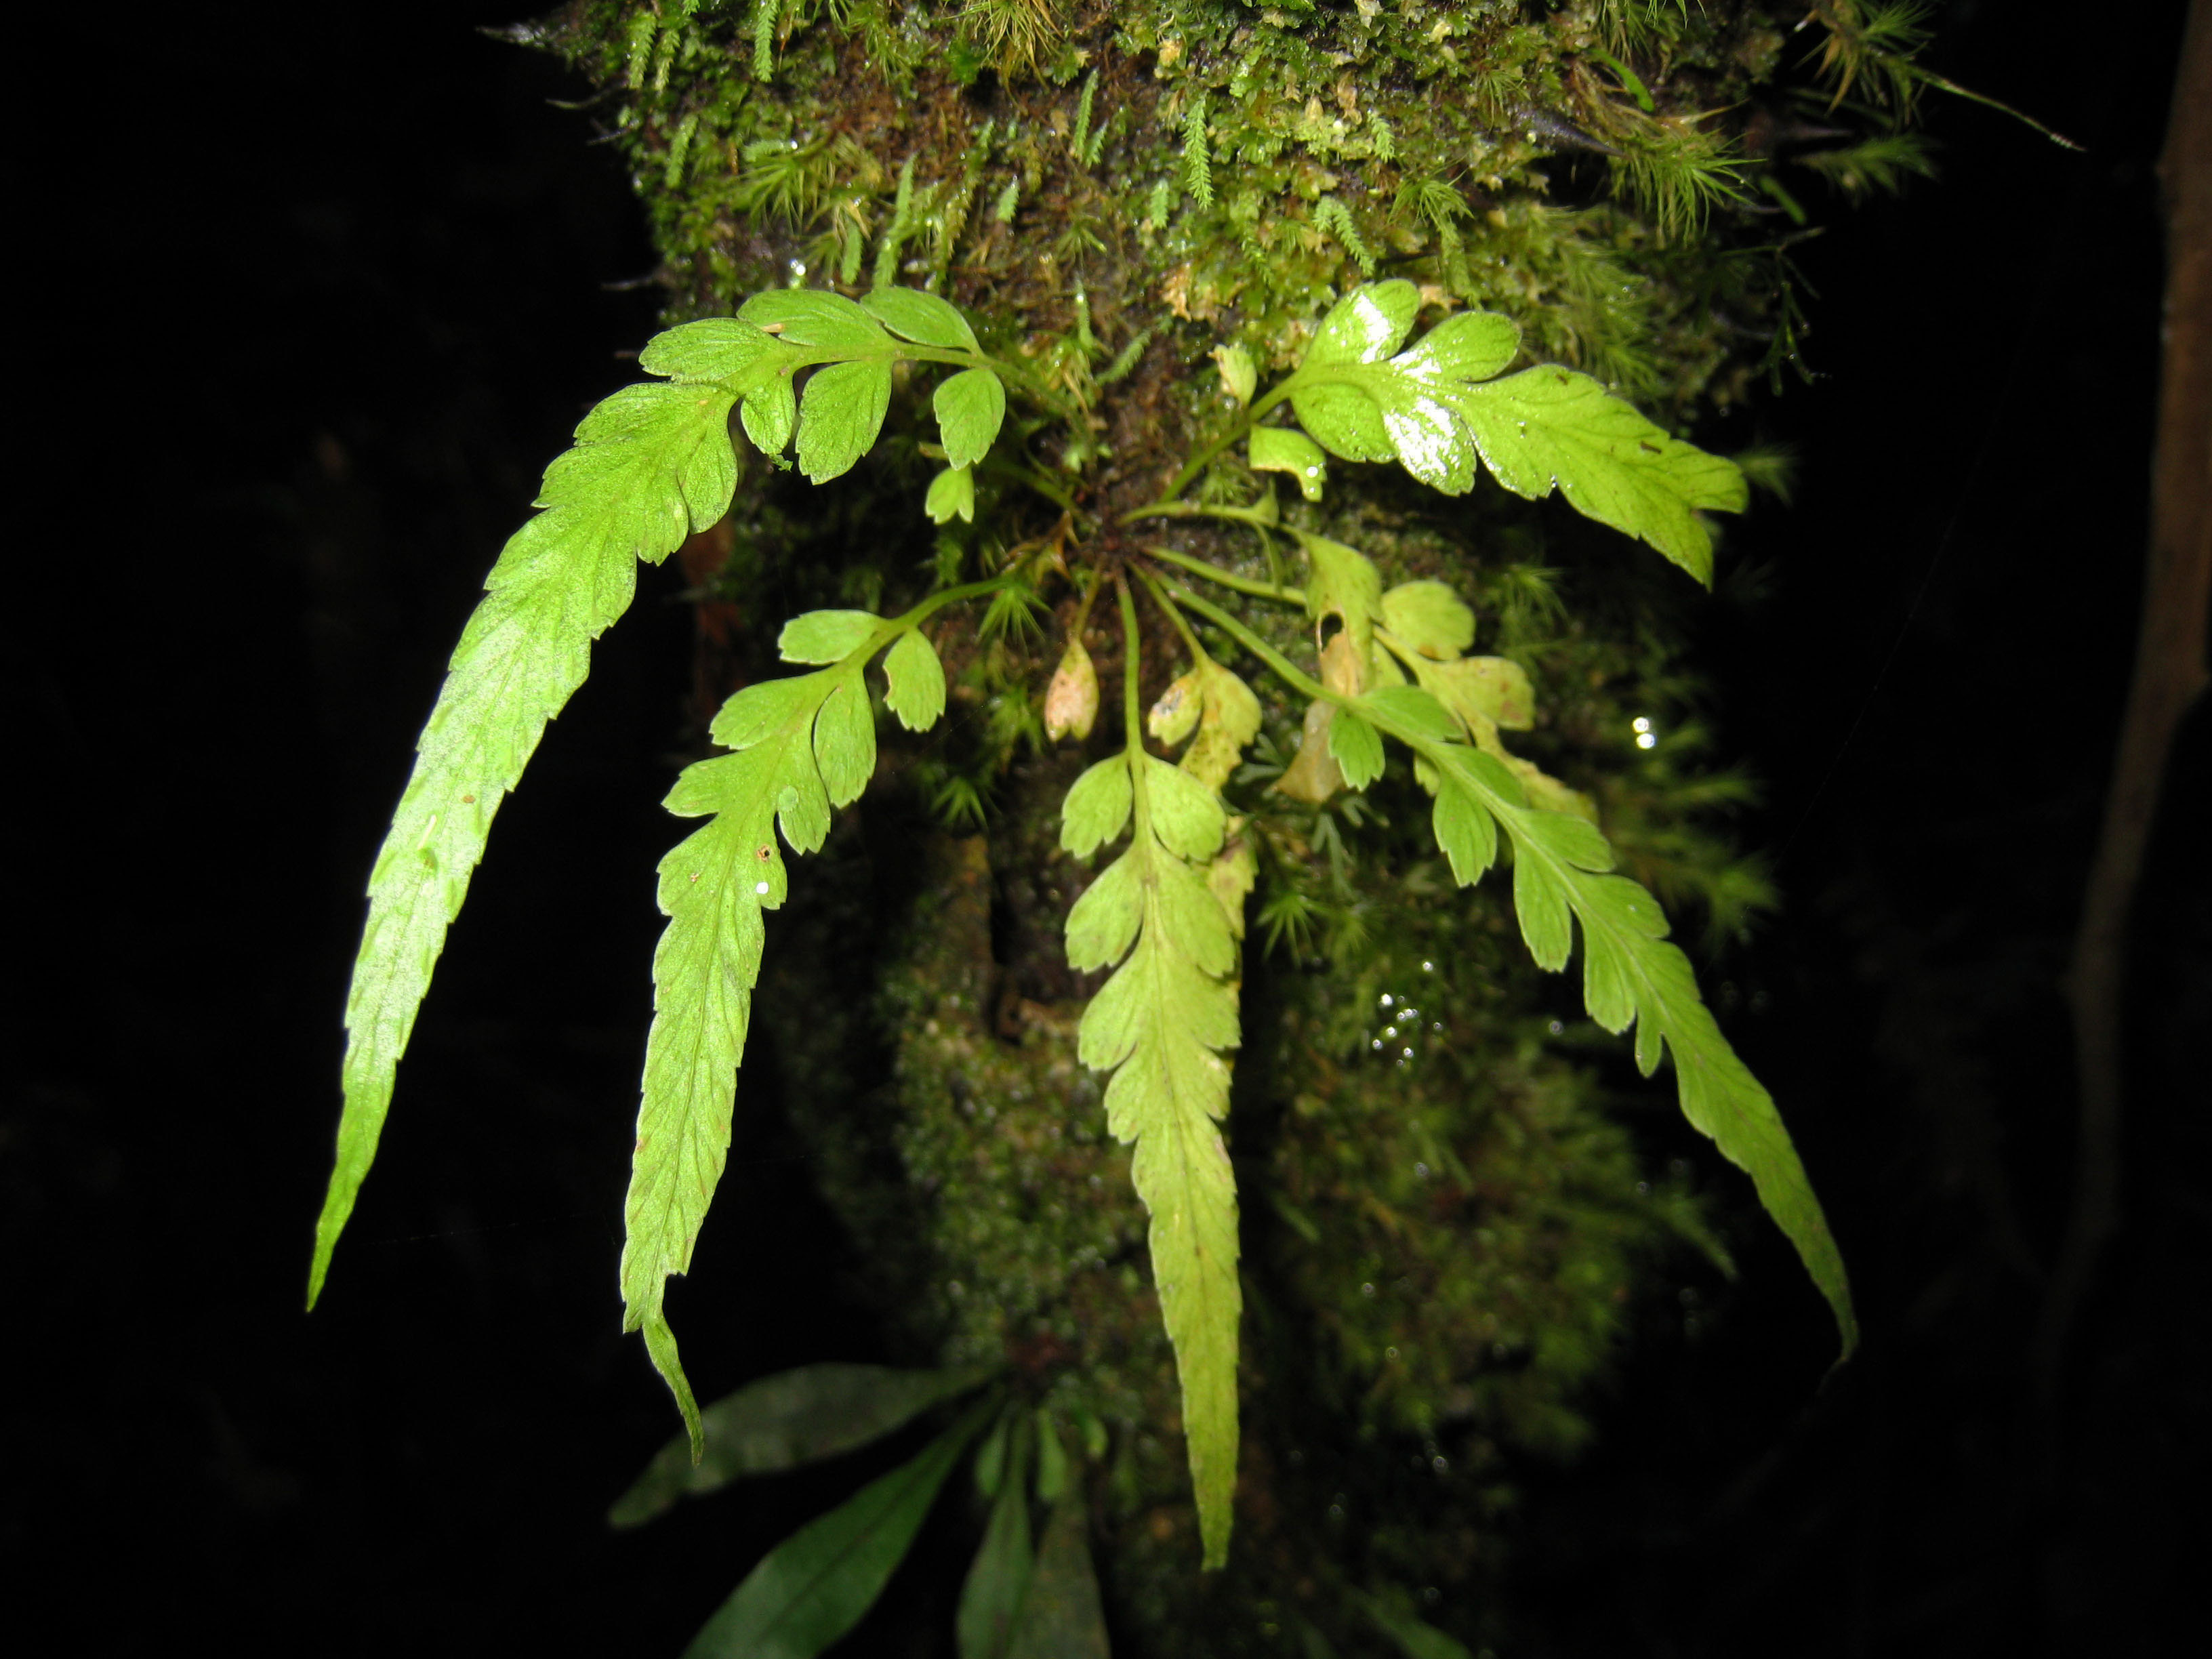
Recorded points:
(1161, 1024)
(651, 464)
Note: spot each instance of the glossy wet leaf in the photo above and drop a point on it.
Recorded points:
(785, 1421)
(1280, 449)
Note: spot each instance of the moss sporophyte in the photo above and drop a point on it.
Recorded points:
(1214, 702)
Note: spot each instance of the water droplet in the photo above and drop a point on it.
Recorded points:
(760, 887)
(1385, 999)
(1367, 1289)
(1556, 1027)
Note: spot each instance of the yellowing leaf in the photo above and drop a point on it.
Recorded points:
(1430, 618)
(1231, 720)
(1071, 701)
(1160, 1024)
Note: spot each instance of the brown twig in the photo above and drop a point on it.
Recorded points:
(2169, 674)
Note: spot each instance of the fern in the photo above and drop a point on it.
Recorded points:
(811, 373)
(651, 464)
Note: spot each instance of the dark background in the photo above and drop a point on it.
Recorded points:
(317, 292)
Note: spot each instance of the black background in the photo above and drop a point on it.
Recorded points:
(316, 291)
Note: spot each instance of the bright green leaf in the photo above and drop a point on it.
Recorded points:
(1159, 1025)
(951, 496)
(845, 740)
(1367, 323)
(826, 637)
(1625, 934)
(921, 318)
(815, 317)
(712, 349)
(1280, 449)
(1414, 708)
(769, 414)
(1096, 807)
(969, 406)
(783, 1421)
(822, 1580)
(1230, 721)
(1430, 618)
(916, 681)
(1548, 425)
(1357, 748)
(761, 708)
(1187, 814)
(839, 414)
(1103, 924)
(1239, 375)
(658, 467)
(1345, 420)
(1470, 345)
(1467, 835)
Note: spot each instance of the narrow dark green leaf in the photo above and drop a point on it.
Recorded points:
(1061, 1616)
(991, 1599)
(1416, 1638)
(781, 1422)
(822, 1580)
